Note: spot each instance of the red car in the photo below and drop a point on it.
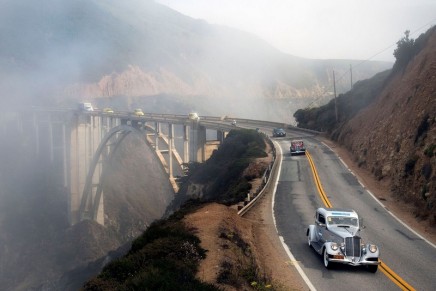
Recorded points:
(297, 147)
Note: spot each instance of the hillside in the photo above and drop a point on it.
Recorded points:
(393, 133)
(124, 54)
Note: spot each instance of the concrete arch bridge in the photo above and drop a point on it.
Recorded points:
(78, 143)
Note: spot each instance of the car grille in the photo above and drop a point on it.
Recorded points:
(352, 246)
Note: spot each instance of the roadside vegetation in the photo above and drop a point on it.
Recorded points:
(167, 255)
(221, 178)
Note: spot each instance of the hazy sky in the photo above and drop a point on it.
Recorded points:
(323, 29)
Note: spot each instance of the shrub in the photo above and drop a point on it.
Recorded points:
(410, 165)
(430, 150)
(164, 257)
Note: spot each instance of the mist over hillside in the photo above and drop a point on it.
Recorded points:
(56, 52)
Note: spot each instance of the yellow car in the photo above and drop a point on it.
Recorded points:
(138, 112)
(108, 110)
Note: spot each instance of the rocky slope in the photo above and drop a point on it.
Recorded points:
(395, 136)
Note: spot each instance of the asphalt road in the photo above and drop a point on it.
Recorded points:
(297, 198)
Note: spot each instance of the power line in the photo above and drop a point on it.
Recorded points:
(368, 59)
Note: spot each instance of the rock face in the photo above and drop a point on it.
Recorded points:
(395, 137)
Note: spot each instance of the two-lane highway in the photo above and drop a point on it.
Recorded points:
(410, 257)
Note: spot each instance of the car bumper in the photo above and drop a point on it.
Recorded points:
(353, 261)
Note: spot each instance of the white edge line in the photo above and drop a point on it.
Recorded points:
(384, 207)
(285, 246)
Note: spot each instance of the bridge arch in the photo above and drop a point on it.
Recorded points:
(91, 196)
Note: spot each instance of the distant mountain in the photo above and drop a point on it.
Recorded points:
(59, 51)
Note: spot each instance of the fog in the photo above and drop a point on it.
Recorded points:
(318, 29)
(124, 55)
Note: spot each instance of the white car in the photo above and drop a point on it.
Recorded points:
(86, 106)
(194, 116)
(336, 236)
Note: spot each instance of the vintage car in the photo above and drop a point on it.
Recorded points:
(279, 132)
(336, 236)
(297, 147)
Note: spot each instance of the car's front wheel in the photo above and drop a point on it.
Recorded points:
(327, 263)
(308, 239)
(372, 268)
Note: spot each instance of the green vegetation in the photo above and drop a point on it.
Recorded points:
(430, 151)
(165, 257)
(407, 48)
(324, 119)
(222, 174)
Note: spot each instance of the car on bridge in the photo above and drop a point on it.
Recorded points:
(86, 106)
(138, 112)
(336, 236)
(279, 132)
(194, 116)
(108, 110)
(297, 147)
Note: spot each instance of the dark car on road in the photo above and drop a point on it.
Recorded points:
(279, 132)
(297, 147)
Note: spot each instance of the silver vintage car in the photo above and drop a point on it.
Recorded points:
(336, 236)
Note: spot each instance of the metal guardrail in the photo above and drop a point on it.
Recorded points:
(265, 185)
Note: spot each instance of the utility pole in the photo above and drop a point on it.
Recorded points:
(334, 89)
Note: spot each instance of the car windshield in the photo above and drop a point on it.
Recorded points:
(342, 220)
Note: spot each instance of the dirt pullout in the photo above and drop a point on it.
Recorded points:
(235, 243)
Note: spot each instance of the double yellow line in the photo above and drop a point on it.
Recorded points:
(394, 277)
(321, 192)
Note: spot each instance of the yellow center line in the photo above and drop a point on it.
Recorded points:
(394, 277)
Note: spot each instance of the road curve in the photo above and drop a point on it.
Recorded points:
(297, 197)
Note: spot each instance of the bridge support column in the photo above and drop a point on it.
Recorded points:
(170, 148)
(198, 143)
(157, 135)
(220, 135)
(85, 138)
(185, 144)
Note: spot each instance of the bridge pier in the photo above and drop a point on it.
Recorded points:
(198, 142)
(185, 144)
(85, 138)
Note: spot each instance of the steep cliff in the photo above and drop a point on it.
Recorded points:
(395, 136)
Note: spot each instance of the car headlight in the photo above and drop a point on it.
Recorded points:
(372, 248)
(334, 246)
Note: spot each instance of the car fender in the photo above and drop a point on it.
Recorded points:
(311, 232)
(372, 255)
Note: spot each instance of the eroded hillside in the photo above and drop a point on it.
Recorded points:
(395, 136)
